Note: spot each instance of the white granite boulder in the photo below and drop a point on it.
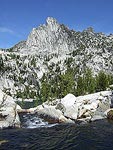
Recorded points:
(8, 112)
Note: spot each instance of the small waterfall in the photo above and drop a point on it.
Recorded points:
(33, 121)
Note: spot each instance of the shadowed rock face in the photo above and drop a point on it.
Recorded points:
(111, 101)
(110, 115)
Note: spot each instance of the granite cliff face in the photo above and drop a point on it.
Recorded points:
(51, 38)
(53, 46)
(92, 49)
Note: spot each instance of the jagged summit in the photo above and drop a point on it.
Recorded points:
(88, 49)
(54, 37)
(51, 20)
(50, 37)
(53, 48)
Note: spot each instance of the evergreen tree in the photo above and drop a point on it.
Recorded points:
(89, 81)
(102, 81)
(80, 86)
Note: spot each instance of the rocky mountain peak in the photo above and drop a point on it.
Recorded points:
(53, 49)
(49, 37)
(51, 21)
(89, 29)
(52, 24)
(88, 48)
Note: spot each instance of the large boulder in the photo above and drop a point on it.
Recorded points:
(103, 106)
(8, 112)
(68, 106)
(68, 100)
(52, 115)
(71, 112)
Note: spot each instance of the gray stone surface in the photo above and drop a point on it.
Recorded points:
(8, 112)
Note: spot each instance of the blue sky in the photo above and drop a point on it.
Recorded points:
(18, 17)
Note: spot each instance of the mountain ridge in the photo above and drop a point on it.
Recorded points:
(50, 49)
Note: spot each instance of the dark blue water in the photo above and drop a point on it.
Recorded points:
(94, 136)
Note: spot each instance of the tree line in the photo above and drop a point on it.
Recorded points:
(59, 85)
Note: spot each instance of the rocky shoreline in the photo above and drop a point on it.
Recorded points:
(69, 109)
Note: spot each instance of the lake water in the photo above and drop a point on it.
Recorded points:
(36, 134)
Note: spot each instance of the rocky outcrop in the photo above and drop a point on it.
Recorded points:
(71, 109)
(53, 115)
(49, 38)
(8, 112)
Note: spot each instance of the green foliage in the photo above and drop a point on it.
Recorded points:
(45, 90)
(80, 86)
(26, 93)
(10, 49)
(33, 62)
(67, 82)
(110, 79)
(102, 81)
(86, 83)
(58, 85)
(69, 61)
(55, 84)
(89, 81)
